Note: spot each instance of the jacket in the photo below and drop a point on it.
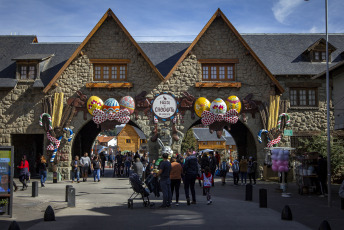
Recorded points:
(208, 179)
(176, 171)
(243, 165)
(191, 166)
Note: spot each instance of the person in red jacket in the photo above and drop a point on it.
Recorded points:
(208, 180)
(24, 172)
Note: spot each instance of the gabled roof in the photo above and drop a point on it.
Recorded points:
(108, 13)
(33, 57)
(203, 134)
(219, 13)
(119, 129)
(321, 41)
(335, 67)
(105, 139)
(230, 141)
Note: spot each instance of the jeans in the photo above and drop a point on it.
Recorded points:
(243, 175)
(43, 176)
(165, 185)
(23, 178)
(235, 177)
(175, 185)
(76, 174)
(127, 169)
(189, 182)
(252, 176)
(96, 174)
(207, 192)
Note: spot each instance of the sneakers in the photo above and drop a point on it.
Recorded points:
(188, 201)
(177, 204)
(208, 203)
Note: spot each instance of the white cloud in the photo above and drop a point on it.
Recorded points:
(315, 29)
(283, 8)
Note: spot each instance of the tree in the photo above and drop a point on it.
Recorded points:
(189, 141)
(319, 144)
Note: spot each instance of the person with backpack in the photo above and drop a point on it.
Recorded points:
(208, 180)
(96, 166)
(236, 169)
(224, 167)
(251, 170)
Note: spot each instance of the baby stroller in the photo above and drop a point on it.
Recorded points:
(138, 190)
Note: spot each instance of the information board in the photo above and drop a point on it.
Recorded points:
(6, 180)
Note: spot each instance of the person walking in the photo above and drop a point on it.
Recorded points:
(243, 169)
(138, 167)
(224, 167)
(212, 165)
(102, 156)
(251, 170)
(42, 166)
(24, 172)
(85, 162)
(190, 170)
(176, 177)
(321, 171)
(218, 159)
(76, 169)
(207, 178)
(165, 181)
(96, 166)
(235, 169)
(127, 164)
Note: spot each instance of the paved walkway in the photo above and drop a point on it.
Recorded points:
(103, 205)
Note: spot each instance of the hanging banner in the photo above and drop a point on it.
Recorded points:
(164, 106)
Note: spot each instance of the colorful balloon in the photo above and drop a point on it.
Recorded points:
(218, 106)
(111, 105)
(233, 102)
(201, 104)
(128, 103)
(93, 103)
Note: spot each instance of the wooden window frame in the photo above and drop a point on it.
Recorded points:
(118, 64)
(27, 66)
(128, 141)
(321, 53)
(298, 101)
(215, 64)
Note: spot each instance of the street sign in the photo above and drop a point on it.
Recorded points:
(288, 132)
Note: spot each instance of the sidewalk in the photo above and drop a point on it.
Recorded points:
(103, 206)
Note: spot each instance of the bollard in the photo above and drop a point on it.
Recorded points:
(325, 225)
(263, 198)
(286, 213)
(71, 197)
(342, 203)
(34, 188)
(49, 214)
(14, 226)
(67, 187)
(248, 196)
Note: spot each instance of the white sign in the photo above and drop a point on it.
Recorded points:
(164, 106)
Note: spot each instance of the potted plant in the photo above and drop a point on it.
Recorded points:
(3, 205)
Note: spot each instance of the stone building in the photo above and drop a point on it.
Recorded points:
(109, 63)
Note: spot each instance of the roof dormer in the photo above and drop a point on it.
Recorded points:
(317, 51)
(29, 66)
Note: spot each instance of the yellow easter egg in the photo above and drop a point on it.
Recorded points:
(218, 106)
(93, 103)
(233, 102)
(201, 104)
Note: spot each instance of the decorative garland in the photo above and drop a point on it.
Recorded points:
(230, 116)
(122, 116)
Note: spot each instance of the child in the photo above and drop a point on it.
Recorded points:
(208, 180)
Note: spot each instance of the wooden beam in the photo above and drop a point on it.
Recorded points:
(110, 61)
(109, 85)
(214, 61)
(218, 84)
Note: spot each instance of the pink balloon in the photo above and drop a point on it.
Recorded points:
(274, 168)
(274, 162)
(281, 168)
(285, 163)
(279, 163)
(286, 169)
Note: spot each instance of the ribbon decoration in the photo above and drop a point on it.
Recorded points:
(41, 120)
(260, 135)
(231, 116)
(274, 141)
(70, 135)
(54, 145)
(122, 116)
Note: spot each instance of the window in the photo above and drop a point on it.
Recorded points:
(205, 143)
(319, 56)
(303, 97)
(128, 141)
(110, 69)
(218, 72)
(27, 72)
(143, 141)
(218, 143)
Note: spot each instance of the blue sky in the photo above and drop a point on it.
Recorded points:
(165, 20)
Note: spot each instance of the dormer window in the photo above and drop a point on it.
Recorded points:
(29, 66)
(317, 51)
(27, 72)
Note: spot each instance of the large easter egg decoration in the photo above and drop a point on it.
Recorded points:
(218, 106)
(201, 104)
(93, 103)
(128, 103)
(233, 102)
(111, 106)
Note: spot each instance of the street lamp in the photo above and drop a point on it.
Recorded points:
(328, 111)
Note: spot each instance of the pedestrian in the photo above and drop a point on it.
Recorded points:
(236, 169)
(321, 170)
(42, 166)
(85, 163)
(218, 159)
(207, 178)
(341, 190)
(243, 169)
(102, 156)
(190, 170)
(251, 170)
(96, 166)
(212, 165)
(24, 172)
(165, 181)
(176, 177)
(224, 167)
(127, 163)
(138, 167)
(76, 169)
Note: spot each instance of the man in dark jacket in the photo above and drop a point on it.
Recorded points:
(190, 169)
(212, 164)
(321, 171)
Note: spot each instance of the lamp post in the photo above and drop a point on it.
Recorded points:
(328, 111)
